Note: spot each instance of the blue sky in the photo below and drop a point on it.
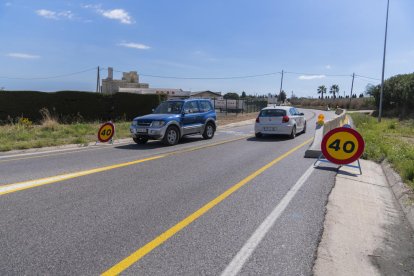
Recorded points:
(214, 38)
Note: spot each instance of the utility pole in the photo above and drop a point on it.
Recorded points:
(98, 82)
(352, 86)
(281, 83)
(383, 65)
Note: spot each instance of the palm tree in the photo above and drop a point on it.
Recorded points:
(334, 90)
(322, 90)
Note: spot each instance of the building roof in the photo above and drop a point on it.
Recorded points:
(207, 91)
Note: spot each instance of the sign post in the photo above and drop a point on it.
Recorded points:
(106, 132)
(342, 146)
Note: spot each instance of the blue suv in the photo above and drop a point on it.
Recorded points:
(174, 119)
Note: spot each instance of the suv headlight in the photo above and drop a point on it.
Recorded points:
(134, 122)
(157, 123)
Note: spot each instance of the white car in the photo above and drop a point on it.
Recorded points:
(285, 120)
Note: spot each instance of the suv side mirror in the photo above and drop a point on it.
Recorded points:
(153, 110)
(301, 114)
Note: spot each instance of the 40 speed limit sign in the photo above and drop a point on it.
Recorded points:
(106, 132)
(342, 145)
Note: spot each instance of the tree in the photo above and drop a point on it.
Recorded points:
(231, 96)
(334, 90)
(282, 96)
(243, 95)
(322, 90)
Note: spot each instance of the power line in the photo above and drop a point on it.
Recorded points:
(367, 77)
(364, 80)
(205, 78)
(317, 74)
(51, 77)
(188, 78)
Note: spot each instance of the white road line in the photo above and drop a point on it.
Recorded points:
(248, 248)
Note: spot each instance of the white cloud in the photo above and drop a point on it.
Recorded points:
(134, 45)
(203, 56)
(47, 14)
(23, 56)
(311, 77)
(328, 66)
(54, 15)
(117, 14)
(88, 6)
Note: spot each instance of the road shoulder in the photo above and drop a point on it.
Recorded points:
(365, 230)
(116, 142)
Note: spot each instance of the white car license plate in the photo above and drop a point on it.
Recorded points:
(270, 128)
(141, 130)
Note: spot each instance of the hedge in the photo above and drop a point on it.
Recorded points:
(69, 106)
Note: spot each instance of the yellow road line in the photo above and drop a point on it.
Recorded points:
(57, 153)
(11, 188)
(147, 248)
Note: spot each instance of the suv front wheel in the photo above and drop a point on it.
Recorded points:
(208, 131)
(140, 140)
(172, 135)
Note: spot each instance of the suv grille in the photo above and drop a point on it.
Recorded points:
(144, 123)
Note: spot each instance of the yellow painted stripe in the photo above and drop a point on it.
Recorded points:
(141, 252)
(11, 188)
(40, 154)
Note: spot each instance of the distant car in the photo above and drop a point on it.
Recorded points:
(285, 120)
(174, 119)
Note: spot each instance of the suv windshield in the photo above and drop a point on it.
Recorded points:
(169, 108)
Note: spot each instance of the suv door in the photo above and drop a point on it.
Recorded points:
(205, 109)
(191, 120)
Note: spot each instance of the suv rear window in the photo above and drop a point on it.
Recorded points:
(272, 113)
(205, 106)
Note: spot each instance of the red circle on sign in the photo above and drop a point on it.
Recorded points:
(358, 153)
(106, 139)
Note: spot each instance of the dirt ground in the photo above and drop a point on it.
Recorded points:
(222, 119)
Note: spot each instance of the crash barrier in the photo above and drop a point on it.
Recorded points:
(337, 122)
(314, 150)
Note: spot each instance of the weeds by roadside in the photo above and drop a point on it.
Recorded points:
(23, 134)
(52, 133)
(390, 139)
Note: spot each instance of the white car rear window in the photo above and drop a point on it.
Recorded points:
(272, 113)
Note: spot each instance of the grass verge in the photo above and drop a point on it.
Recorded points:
(392, 140)
(25, 135)
(21, 136)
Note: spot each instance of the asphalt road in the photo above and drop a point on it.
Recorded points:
(231, 204)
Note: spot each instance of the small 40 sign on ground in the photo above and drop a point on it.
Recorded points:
(106, 132)
(342, 145)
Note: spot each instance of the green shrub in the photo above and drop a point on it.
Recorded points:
(392, 140)
(74, 106)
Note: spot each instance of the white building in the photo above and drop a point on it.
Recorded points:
(170, 92)
(130, 84)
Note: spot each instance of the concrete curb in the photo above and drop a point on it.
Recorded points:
(403, 194)
(314, 150)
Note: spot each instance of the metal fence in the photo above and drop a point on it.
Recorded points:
(238, 106)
